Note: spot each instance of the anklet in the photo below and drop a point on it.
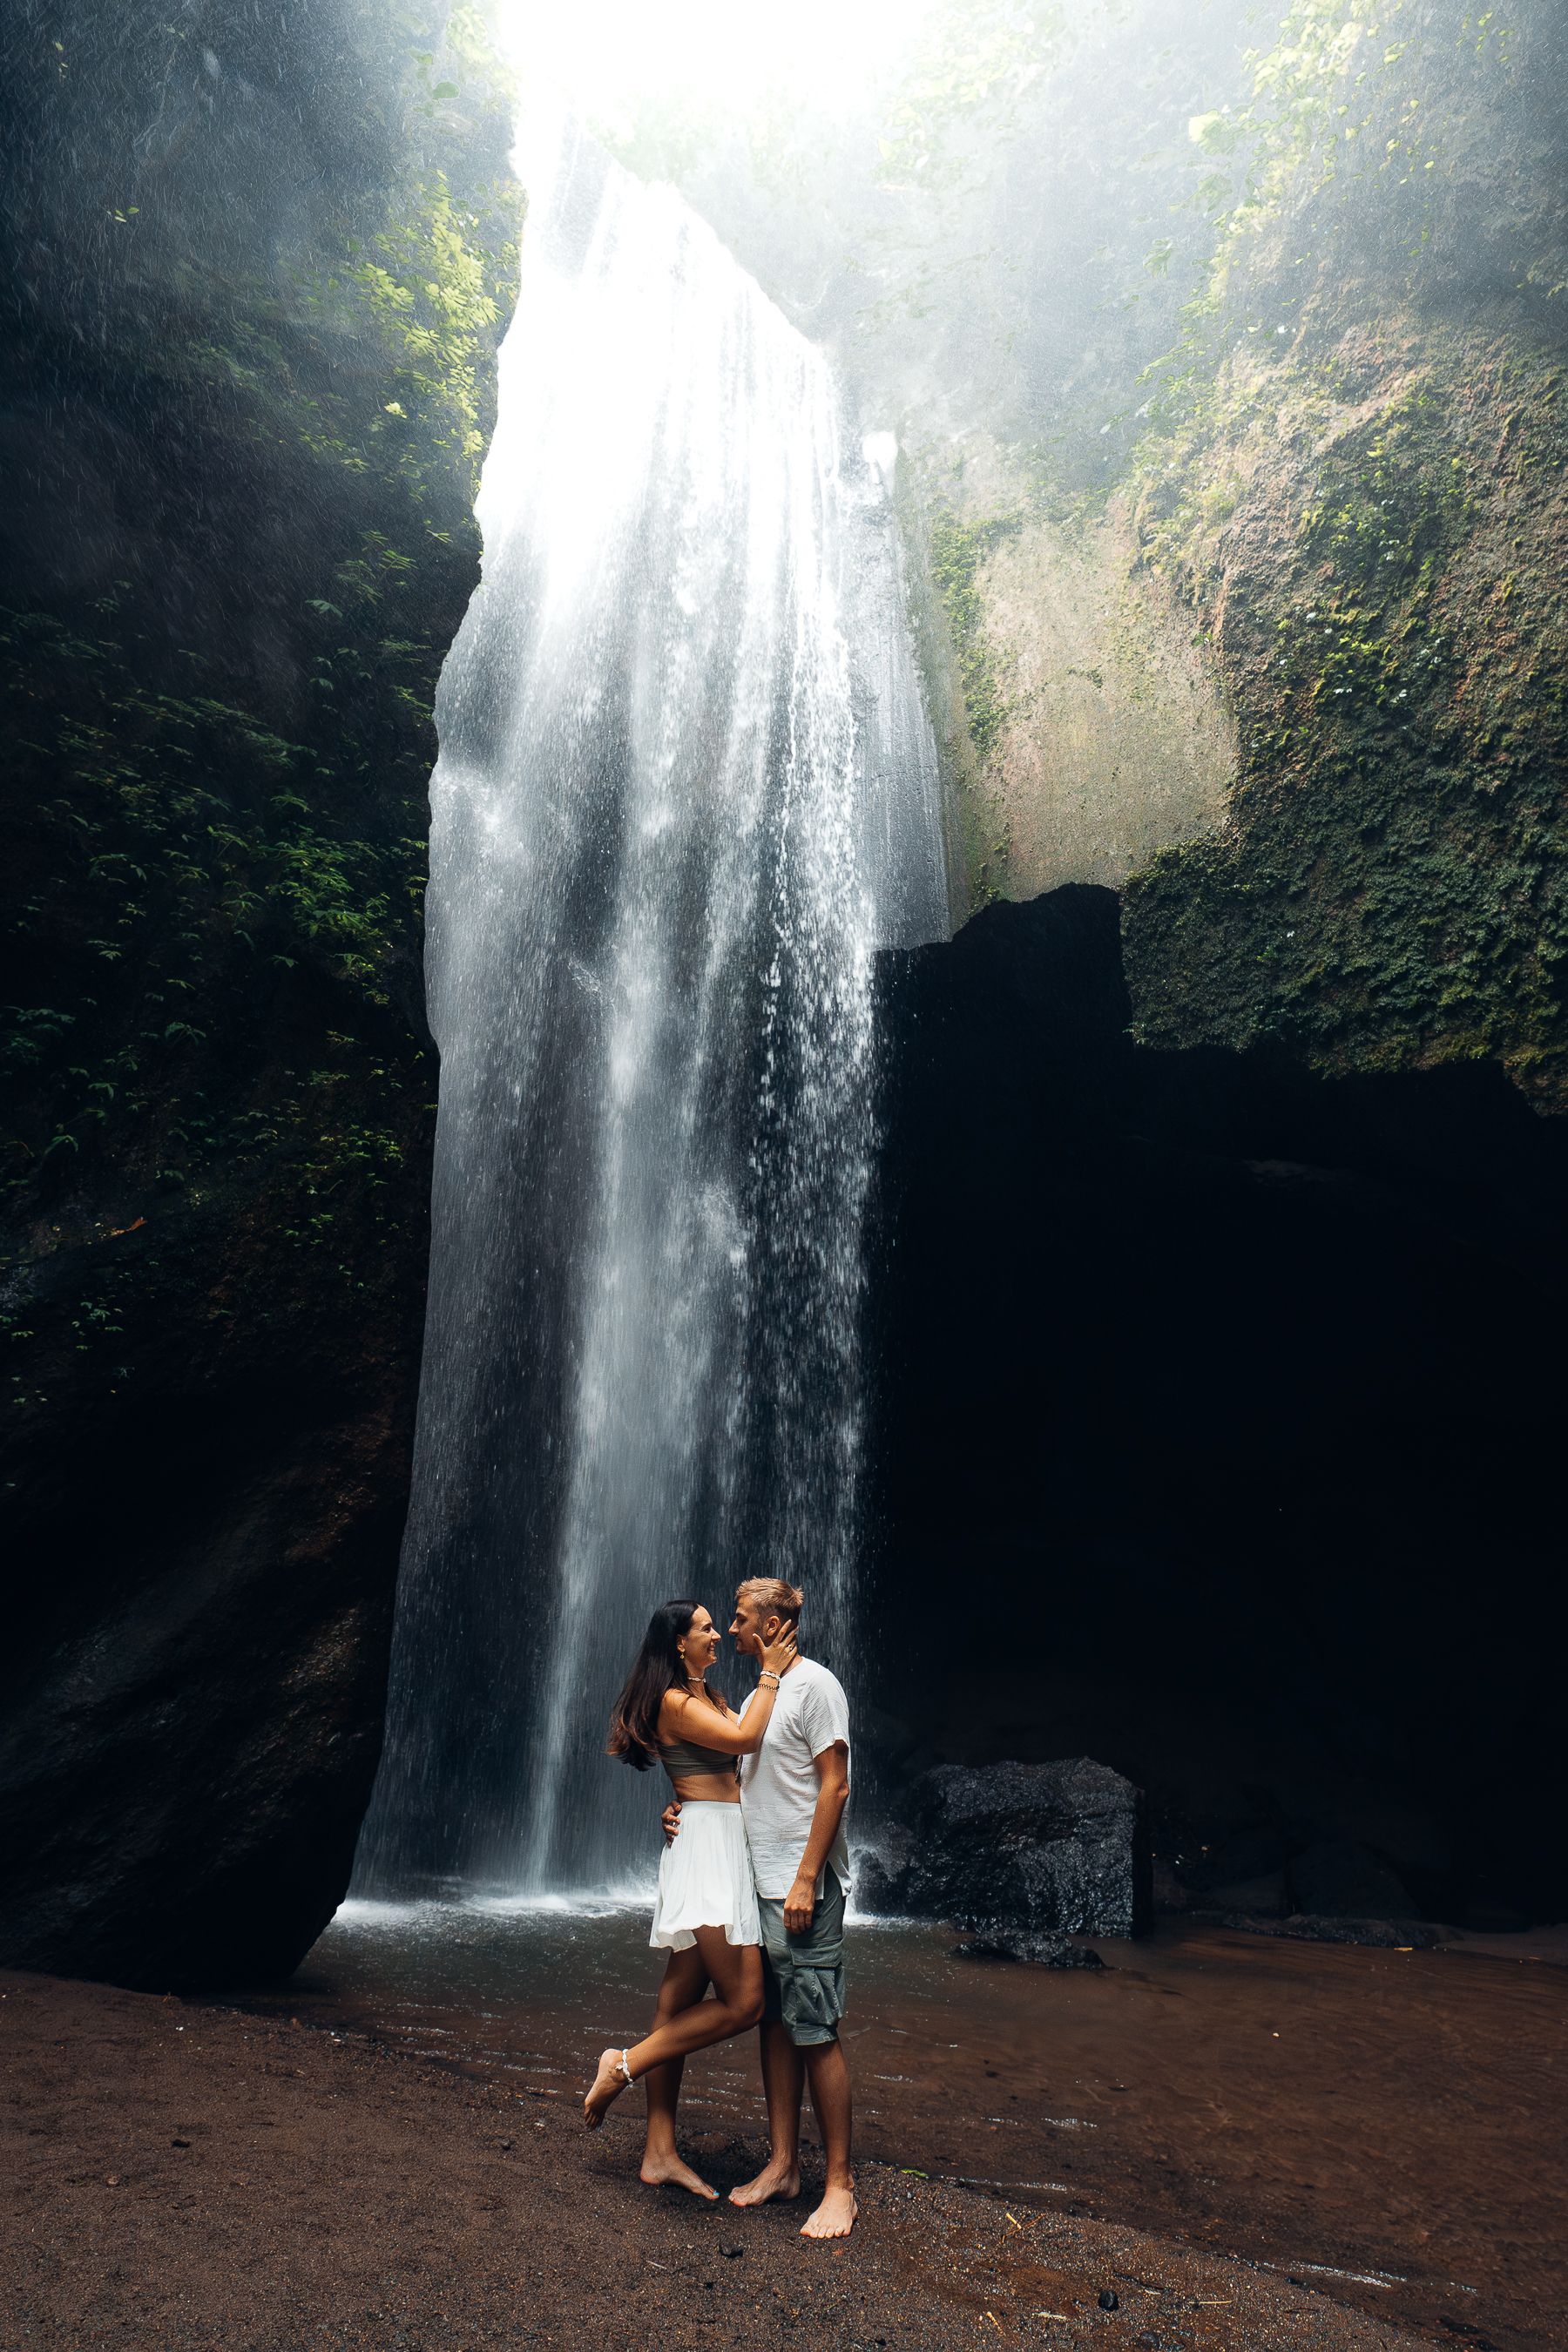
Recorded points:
(626, 2070)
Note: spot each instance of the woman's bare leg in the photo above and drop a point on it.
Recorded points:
(685, 1982)
(735, 1971)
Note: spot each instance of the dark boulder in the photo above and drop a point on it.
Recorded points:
(1380, 1935)
(1055, 1849)
(189, 1739)
(1338, 1879)
(999, 1943)
(1238, 1860)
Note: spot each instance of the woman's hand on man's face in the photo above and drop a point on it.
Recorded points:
(781, 1652)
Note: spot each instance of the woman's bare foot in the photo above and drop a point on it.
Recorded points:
(608, 2084)
(776, 2178)
(835, 2217)
(668, 2172)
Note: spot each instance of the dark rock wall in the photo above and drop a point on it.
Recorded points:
(1217, 1406)
(259, 258)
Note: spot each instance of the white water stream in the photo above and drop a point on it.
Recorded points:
(685, 788)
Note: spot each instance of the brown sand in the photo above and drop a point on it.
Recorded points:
(1389, 2125)
(181, 2177)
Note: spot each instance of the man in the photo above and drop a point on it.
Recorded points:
(793, 1791)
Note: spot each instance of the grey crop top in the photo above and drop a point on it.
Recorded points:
(697, 1762)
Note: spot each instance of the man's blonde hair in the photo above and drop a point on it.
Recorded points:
(772, 1597)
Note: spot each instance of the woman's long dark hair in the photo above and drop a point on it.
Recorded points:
(657, 1668)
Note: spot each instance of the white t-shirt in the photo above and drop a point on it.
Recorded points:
(779, 1784)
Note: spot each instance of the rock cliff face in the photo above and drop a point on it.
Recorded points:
(1369, 523)
(1324, 444)
(258, 260)
(1113, 738)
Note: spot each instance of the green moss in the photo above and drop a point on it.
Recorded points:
(1393, 886)
(956, 550)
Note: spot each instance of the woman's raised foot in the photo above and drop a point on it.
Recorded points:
(669, 2172)
(607, 2085)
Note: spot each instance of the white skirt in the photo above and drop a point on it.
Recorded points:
(705, 1880)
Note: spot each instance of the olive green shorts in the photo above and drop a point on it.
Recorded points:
(803, 1976)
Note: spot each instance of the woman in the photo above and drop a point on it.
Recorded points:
(705, 1916)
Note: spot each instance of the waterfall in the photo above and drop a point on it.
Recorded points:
(685, 788)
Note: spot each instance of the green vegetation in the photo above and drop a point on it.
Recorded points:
(955, 551)
(424, 292)
(186, 863)
(973, 71)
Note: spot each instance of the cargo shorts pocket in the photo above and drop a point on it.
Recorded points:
(811, 2003)
(803, 1975)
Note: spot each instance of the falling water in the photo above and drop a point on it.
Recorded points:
(685, 789)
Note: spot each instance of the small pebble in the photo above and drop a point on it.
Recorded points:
(1108, 2299)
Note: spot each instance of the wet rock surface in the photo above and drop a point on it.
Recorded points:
(1338, 1879)
(1378, 1935)
(997, 1942)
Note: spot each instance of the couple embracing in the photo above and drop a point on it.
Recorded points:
(751, 1886)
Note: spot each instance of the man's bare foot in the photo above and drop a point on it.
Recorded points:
(835, 2217)
(608, 2084)
(776, 2178)
(668, 2172)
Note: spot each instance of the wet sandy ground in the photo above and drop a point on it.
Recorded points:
(179, 2177)
(1390, 2128)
